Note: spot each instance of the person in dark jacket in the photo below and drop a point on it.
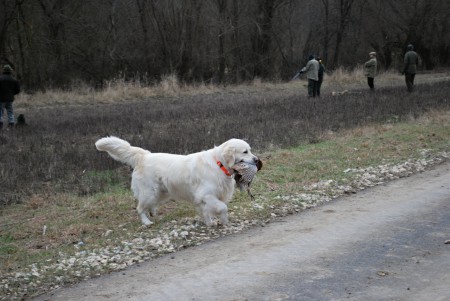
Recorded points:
(411, 60)
(8, 88)
(320, 74)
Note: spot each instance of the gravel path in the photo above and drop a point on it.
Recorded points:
(385, 243)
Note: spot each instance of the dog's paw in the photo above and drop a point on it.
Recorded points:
(210, 223)
(143, 227)
(224, 219)
(146, 222)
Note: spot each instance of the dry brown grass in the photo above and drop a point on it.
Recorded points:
(120, 89)
(115, 90)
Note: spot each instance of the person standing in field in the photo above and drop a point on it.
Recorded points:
(411, 60)
(320, 76)
(370, 70)
(312, 73)
(8, 88)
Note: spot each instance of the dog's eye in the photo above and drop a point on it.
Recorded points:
(246, 152)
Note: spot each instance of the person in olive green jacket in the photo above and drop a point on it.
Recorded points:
(370, 70)
(411, 60)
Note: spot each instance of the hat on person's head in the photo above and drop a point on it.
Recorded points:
(7, 68)
(410, 47)
(373, 53)
(310, 57)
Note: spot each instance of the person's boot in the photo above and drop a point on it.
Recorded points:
(1, 126)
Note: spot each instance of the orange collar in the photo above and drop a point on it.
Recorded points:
(224, 169)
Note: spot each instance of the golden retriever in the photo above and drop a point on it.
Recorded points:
(204, 178)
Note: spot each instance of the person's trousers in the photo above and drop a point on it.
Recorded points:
(370, 83)
(312, 87)
(9, 111)
(318, 85)
(409, 79)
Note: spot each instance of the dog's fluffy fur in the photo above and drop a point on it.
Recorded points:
(158, 177)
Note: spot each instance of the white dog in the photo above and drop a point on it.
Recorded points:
(204, 178)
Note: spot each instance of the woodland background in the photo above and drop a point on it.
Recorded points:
(59, 43)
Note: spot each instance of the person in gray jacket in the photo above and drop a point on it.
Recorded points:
(8, 88)
(411, 60)
(370, 70)
(312, 73)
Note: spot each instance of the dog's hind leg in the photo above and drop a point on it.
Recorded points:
(142, 212)
(146, 200)
(148, 197)
(150, 200)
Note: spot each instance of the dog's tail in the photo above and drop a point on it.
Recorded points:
(121, 150)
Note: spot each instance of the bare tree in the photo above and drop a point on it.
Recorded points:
(344, 10)
(222, 6)
(326, 28)
(57, 42)
(417, 22)
(263, 37)
(9, 13)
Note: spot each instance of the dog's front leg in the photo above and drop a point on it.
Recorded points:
(213, 207)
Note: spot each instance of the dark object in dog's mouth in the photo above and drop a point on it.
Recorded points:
(259, 165)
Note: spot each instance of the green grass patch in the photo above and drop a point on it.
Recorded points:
(287, 171)
(7, 247)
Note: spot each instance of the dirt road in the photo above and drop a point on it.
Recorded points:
(385, 243)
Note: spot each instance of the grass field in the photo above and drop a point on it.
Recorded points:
(62, 201)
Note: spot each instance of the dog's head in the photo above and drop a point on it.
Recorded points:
(236, 151)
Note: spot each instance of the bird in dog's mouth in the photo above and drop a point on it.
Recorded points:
(244, 172)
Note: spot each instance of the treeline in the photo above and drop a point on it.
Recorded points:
(56, 43)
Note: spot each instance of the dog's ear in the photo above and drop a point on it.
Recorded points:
(229, 155)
